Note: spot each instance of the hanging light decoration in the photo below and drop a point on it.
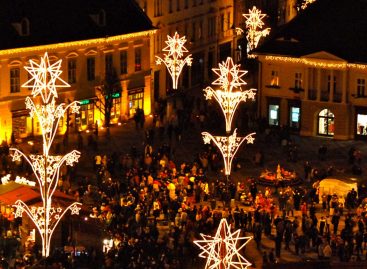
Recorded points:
(44, 83)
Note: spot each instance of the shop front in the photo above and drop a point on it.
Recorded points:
(22, 124)
(294, 114)
(274, 111)
(361, 123)
(85, 119)
(136, 100)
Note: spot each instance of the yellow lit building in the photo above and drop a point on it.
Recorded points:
(92, 38)
(313, 72)
(209, 29)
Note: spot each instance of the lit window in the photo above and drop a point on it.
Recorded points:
(274, 115)
(123, 62)
(362, 124)
(298, 80)
(72, 71)
(294, 117)
(361, 86)
(274, 78)
(91, 66)
(137, 59)
(14, 80)
(326, 123)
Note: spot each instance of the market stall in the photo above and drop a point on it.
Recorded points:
(281, 177)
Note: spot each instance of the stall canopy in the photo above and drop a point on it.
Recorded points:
(337, 186)
(11, 192)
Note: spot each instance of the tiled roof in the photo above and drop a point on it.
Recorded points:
(338, 27)
(57, 21)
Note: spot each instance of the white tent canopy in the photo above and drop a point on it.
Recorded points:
(337, 186)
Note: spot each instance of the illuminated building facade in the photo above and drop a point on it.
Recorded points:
(208, 26)
(313, 72)
(93, 40)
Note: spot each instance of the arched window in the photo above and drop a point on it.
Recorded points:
(326, 123)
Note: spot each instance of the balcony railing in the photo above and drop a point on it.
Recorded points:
(312, 94)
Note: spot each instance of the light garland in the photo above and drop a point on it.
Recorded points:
(222, 250)
(44, 82)
(315, 63)
(254, 24)
(78, 44)
(228, 146)
(172, 60)
(229, 79)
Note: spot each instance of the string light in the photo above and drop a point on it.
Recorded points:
(228, 146)
(172, 60)
(44, 83)
(306, 3)
(222, 250)
(254, 24)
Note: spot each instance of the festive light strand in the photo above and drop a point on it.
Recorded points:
(222, 250)
(172, 60)
(306, 3)
(44, 83)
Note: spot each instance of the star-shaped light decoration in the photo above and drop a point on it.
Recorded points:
(254, 24)
(46, 167)
(45, 78)
(228, 146)
(306, 3)
(223, 249)
(175, 48)
(231, 94)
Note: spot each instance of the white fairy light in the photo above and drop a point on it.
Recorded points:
(230, 78)
(228, 146)
(172, 60)
(46, 168)
(254, 24)
(223, 249)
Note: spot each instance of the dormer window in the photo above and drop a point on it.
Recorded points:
(99, 18)
(22, 27)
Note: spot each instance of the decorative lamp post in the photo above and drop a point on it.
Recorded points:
(222, 250)
(46, 167)
(172, 60)
(254, 24)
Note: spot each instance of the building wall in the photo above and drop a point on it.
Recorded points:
(12, 107)
(317, 91)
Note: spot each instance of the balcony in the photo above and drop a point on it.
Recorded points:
(312, 94)
(324, 96)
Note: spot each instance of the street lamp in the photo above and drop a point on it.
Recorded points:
(46, 167)
(172, 60)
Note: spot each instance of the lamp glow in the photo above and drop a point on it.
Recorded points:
(46, 168)
(172, 60)
(305, 3)
(222, 250)
(254, 24)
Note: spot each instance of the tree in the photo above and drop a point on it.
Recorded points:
(105, 93)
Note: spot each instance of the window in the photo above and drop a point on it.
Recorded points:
(221, 21)
(294, 117)
(193, 32)
(137, 59)
(123, 62)
(326, 123)
(228, 21)
(91, 68)
(108, 63)
(200, 30)
(361, 124)
(298, 80)
(194, 3)
(331, 83)
(170, 4)
(186, 4)
(274, 81)
(211, 27)
(178, 5)
(274, 115)
(72, 71)
(157, 8)
(361, 86)
(14, 80)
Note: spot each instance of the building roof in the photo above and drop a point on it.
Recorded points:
(59, 21)
(338, 27)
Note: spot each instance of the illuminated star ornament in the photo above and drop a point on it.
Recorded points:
(254, 24)
(223, 249)
(230, 93)
(172, 60)
(306, 3)
(46, 167)
(228, 146)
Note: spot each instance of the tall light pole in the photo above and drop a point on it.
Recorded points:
(46, 167)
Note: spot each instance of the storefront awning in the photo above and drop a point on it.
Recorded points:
(11, 192)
